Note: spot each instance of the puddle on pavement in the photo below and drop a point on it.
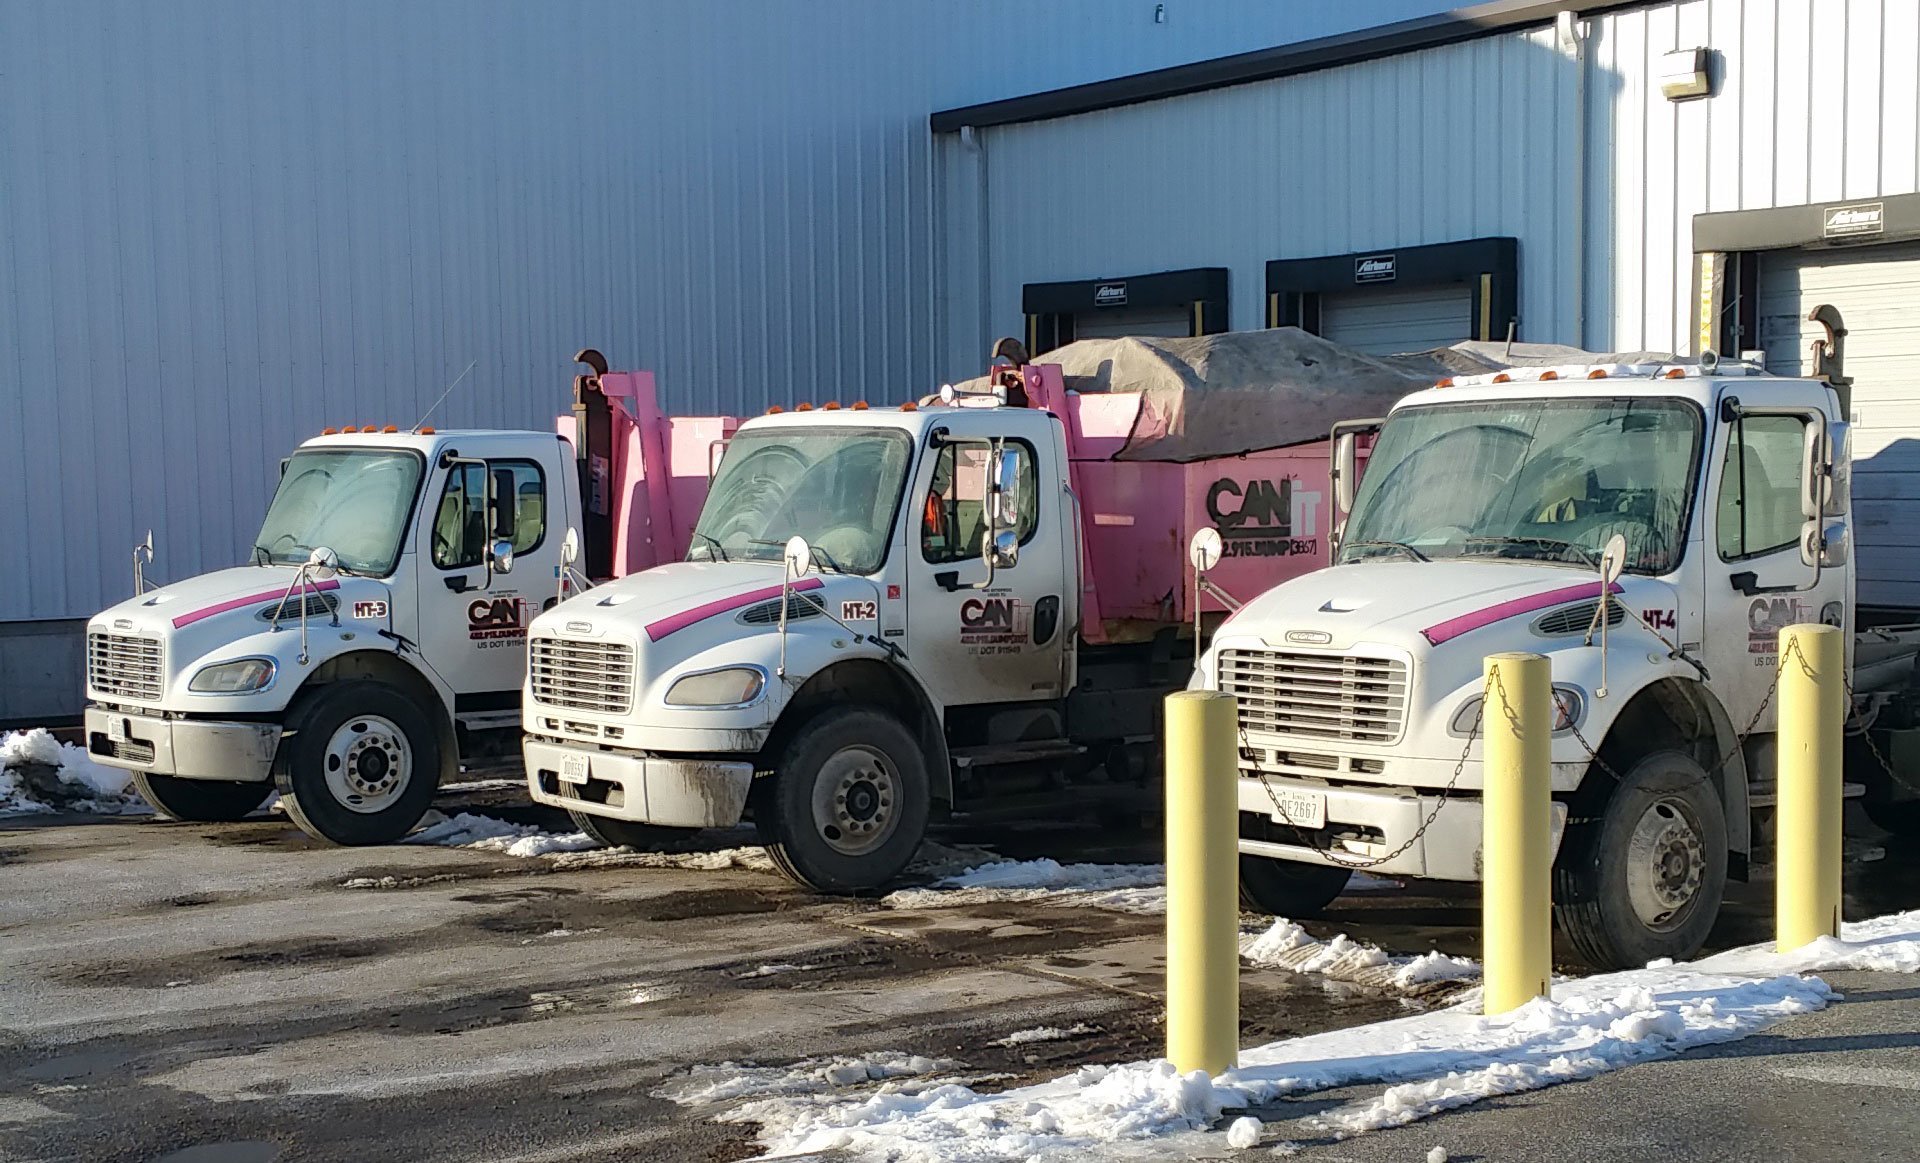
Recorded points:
(249, 1151)
(270, 835)
(208, 964)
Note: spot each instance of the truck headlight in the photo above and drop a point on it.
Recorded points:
(1568, 705)
(728, 687)
(234, 678)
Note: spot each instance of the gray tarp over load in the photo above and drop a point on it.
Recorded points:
(1243, 391)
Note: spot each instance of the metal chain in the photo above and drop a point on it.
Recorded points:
(1740, 739)
(1349, 863)
(1593, 754)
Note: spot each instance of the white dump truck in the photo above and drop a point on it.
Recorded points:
(1650, 527)
(972, 605)
(376, 637)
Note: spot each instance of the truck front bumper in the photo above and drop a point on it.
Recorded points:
(1449, 848)
(646, 789)
(182, 748)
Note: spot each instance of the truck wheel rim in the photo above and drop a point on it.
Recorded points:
(856, 800)
(367, 763)
(1666, 863)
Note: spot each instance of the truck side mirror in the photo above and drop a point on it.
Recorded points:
(1839, 457)
(1002, 547)
(1346, 461)
(500, 556)
(1824, 544)
(570, 547)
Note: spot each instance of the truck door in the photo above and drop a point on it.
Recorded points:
(1756, 582)
(473, 618)
(978, 636)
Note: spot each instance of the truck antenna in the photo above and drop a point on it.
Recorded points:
(444, 395)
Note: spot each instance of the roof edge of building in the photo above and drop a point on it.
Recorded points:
(1326, 52)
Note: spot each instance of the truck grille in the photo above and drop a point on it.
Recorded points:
(1317, 696)
(586, 676)
(125, 667)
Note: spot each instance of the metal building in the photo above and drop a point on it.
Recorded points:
(1675, 175)
(226, 224)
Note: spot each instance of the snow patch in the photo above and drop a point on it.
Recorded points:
(79, 784)
(1888, 944)
(1134, 888)
(486, 834)
(1042, 1034)
(773, 970)
(1243, 1133)
(1424, 1063)
(1285, 945)
(731, 1081)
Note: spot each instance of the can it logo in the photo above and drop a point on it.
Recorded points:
(1766, 617)
(994, 625)
(496, 619)
(1263, 518)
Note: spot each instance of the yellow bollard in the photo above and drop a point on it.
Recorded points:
(1812, 716)
(1516, 917)
(1203, 882)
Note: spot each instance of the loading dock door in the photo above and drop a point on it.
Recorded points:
(1166, 322)
(1387, 322)
(1877, 290)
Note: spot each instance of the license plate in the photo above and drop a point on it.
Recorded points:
(576, 767)
(1303, 809)
(117, 729)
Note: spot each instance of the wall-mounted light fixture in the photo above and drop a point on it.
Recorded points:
(1684, 74)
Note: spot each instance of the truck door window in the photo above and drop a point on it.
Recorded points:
(953, 517)
(462, 529)
(1759, 505)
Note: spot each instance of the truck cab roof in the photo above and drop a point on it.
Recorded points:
(1685, 380)
(426, 440)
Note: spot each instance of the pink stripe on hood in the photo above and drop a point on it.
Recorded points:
(685, 618)
(236, 603)
(1454, 627)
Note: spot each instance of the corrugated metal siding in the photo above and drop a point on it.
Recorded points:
(225, 224)
(1820, 101)
(1451, 143)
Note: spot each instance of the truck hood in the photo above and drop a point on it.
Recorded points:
(216, 617)
(659, 604)
(240, 592)
(1416, 605)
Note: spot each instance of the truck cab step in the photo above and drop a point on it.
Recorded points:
(1002, 754)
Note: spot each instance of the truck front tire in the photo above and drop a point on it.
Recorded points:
(361, 766)
(200, 801)
(847, 805)
(1643, 878)
(1286, 888)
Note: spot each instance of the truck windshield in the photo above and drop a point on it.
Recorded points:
(1540, 480)
(354, 501)
(837, 487)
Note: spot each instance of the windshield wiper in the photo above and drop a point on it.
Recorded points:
(1586, 555)
(718, 551)
(1401, 546)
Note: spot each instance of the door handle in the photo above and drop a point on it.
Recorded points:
(459, 584)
